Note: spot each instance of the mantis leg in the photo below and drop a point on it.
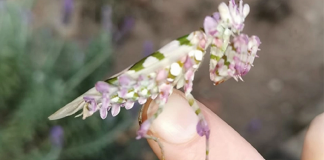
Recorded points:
(156, 139)
(158, 142)
(202, 126)
(140, 119)
(144, 127)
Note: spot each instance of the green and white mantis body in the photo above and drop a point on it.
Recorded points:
(174, 65)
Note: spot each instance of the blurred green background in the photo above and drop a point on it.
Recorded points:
(53, 51)
(43, 67)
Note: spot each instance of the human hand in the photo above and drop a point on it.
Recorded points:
(176, 129)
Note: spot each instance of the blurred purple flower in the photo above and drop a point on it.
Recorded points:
(56, 135)
(254, 125)
(68, 6)
(147, 48)
(127, 26)
(106, 18)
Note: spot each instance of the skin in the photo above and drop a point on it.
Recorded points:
(176, 130)
(314, 140)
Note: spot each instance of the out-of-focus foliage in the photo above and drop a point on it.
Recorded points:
(39, 73)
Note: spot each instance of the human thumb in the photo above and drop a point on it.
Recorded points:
(176, 129)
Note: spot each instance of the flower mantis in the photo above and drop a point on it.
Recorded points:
(231, 55)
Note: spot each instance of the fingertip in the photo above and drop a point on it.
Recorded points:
(176, 129)
(177, 123)
(314, 140)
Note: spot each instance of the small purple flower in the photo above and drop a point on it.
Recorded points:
(68, 6)
(56, 136)
(127, 26)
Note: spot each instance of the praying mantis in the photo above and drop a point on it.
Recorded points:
(231, 55)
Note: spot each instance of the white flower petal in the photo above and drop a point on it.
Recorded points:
(224, 12)
(175, 69)
(246, 10)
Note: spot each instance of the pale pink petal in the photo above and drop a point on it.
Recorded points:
(103, 112)
(102, 87)
(216, 16)
(105, 101)
(189, 63)
(183, 59)
(122, 93)
(129, 105)
(218, 42)
(210, 26)
(202, 43)
(141, 78)
(124, 80)
(142, 100)
(188, 87)
(115, 110)
(145, 126)
(161, 75)
(189, 75)
(241, 43)
(165, 91)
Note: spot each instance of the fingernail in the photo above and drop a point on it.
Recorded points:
(177, 123)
